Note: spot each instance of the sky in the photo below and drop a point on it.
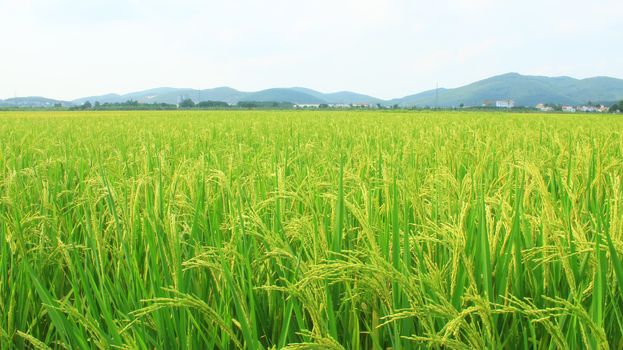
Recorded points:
(66, 49)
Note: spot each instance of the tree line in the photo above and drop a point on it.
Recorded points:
(185, 104)
(190, 104)
(617, 107)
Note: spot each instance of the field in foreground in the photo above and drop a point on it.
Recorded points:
(310, 230)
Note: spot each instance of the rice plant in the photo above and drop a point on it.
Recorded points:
(310, 230)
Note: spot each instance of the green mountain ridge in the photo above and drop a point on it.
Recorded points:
(230, 95)
(525, 90)
(32, 101)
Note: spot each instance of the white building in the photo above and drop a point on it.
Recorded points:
(587, 109)
(543, 108)
(307, 105)
(569, 109)
(505, 103)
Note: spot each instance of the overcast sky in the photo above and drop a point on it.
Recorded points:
(72, 48)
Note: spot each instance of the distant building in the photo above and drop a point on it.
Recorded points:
(569, 109)
(593, 109)
(307, 105)
(508, 103)
(505, 103)
(543, 108)
(587, 109)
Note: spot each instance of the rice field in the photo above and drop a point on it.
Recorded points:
(310, 230)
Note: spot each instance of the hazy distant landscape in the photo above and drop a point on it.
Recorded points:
(526, 91)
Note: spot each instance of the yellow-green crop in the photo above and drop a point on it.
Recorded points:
(310, 230)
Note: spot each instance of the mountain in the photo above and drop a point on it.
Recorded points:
(282, 95)
(340, 97)
(229, 95)
(32, 101)
(158, 95)
(525, 90)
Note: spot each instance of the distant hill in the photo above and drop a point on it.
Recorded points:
(229, 95)
(525, 90)
(32, 101)
(340, 97)
(282, 95)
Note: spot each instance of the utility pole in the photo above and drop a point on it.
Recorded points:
(437, 96)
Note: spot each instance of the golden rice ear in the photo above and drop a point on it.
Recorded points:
(310, 230)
